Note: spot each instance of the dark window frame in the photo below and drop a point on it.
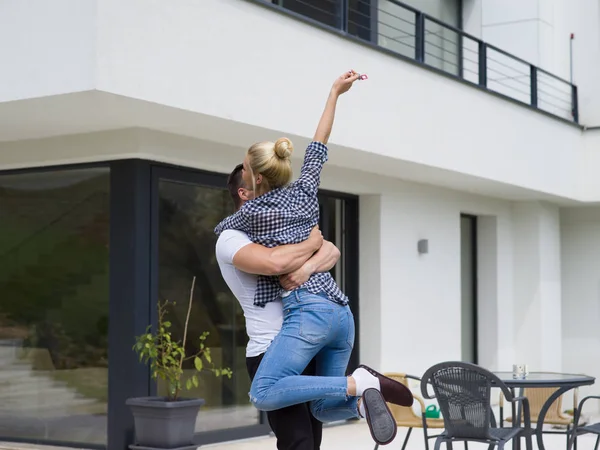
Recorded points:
(57, 168)
(474, 283)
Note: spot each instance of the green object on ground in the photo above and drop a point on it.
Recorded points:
(432, 412)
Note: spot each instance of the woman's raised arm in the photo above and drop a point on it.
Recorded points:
(316, 153)
(342, 84)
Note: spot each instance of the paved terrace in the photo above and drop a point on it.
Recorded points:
(353, 435)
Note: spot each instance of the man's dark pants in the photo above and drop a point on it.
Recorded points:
(295, 427)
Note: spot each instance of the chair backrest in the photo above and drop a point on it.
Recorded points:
(537, 398)
(463, 392)
(401, 414)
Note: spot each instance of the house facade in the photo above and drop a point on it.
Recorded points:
(461, 188)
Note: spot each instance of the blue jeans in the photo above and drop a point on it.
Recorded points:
(313, 327)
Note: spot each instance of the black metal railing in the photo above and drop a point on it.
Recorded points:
(406, 31)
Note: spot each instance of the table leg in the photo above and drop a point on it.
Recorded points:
(516, 417)
(572, 440)
(513, 407)
(540, 423)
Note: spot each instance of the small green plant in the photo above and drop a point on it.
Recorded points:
(166, 356)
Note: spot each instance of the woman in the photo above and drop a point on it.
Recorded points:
(317, 320)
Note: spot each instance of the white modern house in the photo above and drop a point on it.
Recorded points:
(462, 188)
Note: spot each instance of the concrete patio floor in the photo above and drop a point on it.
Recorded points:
(355, 435)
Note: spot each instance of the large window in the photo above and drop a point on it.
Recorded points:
(56, 297)
(54, 309)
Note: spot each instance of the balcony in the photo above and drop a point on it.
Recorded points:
(232, 72)
(410, 34)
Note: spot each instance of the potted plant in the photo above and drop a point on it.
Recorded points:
(169, 422)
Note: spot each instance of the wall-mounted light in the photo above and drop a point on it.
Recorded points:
(423, 246)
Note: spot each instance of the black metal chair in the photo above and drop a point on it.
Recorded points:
(463, 392)
(579, 430)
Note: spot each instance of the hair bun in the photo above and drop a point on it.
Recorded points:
(284, 148)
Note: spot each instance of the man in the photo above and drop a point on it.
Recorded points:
(240, 262)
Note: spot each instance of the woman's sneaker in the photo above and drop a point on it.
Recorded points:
(379, 417)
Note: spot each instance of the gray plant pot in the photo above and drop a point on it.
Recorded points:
(160, 424)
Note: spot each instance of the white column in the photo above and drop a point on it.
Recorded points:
(495, 294)
(495, 305)
(370, 273)
(521, 27)
(420, 293)
(580, 245)
(537, 286)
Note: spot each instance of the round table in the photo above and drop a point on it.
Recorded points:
(562, 381)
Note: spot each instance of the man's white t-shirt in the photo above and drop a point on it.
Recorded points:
(262, 324)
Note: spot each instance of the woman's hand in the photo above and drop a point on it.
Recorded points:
(344, 82)
(341, 85)
(297, 278)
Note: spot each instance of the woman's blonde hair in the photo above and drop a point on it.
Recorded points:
(272, 161)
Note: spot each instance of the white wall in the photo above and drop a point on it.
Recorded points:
(47, 48)
(584, 22)
(590, 162)
(409, 303)
(539, 32)
(536, 231)
(402, 112)
(517, 26)
(174, 56)
(421, 294)
(580, 242)
(396, 283)
(371, 264)
(495, 290)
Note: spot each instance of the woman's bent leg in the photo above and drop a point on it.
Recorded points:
(310, 323)
(332, 361)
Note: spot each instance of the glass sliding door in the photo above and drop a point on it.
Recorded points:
(186, 207)
(54, 260)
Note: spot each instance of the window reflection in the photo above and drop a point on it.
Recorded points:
(187, 217)
(54, 310)
(324, 11)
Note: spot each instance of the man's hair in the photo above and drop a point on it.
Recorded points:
(234, 182)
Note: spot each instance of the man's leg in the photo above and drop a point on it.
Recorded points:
(317, 425)
(295, 427)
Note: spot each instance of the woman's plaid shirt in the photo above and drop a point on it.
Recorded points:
(286, 216)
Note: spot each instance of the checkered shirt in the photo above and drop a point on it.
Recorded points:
(286, 216)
